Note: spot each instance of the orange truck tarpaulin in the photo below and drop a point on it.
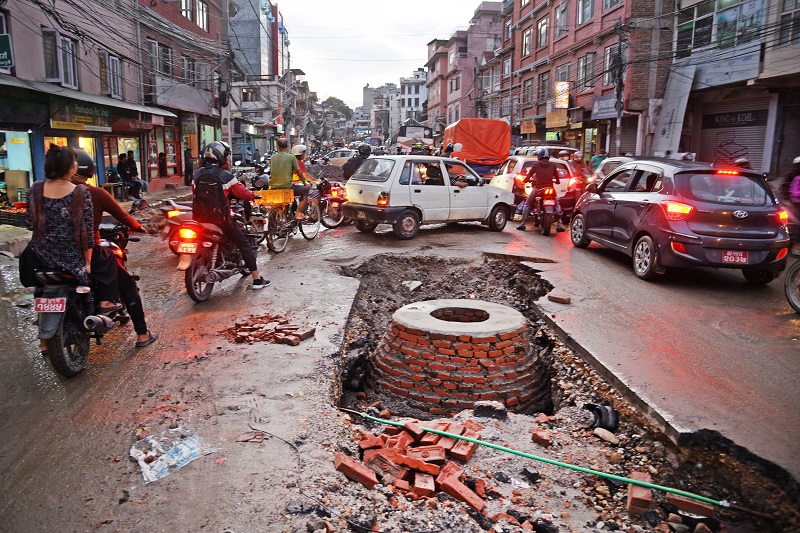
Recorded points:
(484, 141)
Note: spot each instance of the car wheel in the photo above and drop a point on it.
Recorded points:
(407, 225)
(644, 258)
(498, 218)
(577, 232)
(759, 277)
(365, 227)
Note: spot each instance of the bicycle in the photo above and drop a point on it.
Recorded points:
(281, 219)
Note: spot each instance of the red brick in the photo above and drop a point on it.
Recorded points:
(429, 454)
(446, 351)
(355, 470)
(507, 517)
(453, 487)
(450, 386)
(434, 382)
(447, 443)
(443, 368)
(480, 488)
(423, 484)
(402, 484)
(433, 438)
(408, 351)
(484, 339)
(441, 344)
(450, 469)
(401, 441)
(416, 464)
(463, 346)
(542, 436)
(384, 466)
(503, 344)
(463, 450)
(475, 380)
(413, 428)
(510, 335)
(458, 360)
(370, 441)
(702, 528)
(690, 505)
(417, 332)
(427, 356)
(638, 496)
(495, 353)
(473, 426)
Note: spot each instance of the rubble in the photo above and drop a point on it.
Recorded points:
(274, 329)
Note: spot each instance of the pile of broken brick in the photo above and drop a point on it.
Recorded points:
(274, 329)
(416, 462)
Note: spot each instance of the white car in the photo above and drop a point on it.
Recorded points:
(607, 166)
(339, 157)
(407, 191)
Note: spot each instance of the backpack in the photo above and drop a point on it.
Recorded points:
(349, 168)
(209, 203)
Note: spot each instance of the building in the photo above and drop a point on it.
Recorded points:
(63, 81)
(413, 95)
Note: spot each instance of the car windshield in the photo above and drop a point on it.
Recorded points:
(733, 189)
(374, 169)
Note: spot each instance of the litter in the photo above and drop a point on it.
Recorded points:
(157, 463)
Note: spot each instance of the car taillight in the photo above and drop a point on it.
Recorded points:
(573, 182)
(728, 172)
(783, 253)
(679, 247)
(676, 210)
(783, 217)
(383, 198)
(173, 213)
(187, 233)
(519, 180)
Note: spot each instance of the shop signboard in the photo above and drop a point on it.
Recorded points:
(6, 54)
(83, 116)
(189, 124)
(527, 126)
(604, 107)
(562, 94)
(741, 119)
(556, 118)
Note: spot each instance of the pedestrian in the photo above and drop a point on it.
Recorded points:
(598, 158)
(248, 156)
(162, 165)
(256, 156)
(124, 171)
(135, 171)
(789, 189)
(188, 166)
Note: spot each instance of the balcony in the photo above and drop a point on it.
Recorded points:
(507, 7)
(169, 92)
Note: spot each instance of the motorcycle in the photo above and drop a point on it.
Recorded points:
(175, 213)
(544, 210)
(791, 282)
(331, 198)
(260, 178)
(207, 257)
(67, 313)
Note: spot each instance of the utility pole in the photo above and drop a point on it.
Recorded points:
(618, 80)
(225, 77)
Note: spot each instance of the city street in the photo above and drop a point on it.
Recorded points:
(703, 354)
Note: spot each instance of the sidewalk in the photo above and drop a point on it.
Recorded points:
(14, 239)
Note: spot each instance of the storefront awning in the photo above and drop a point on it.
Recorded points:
(49, 88)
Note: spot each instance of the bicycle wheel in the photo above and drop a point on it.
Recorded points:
(277, 230)
(333, 216)
(310, 227)
(260, 227)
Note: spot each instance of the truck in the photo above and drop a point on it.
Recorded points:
(485, 142)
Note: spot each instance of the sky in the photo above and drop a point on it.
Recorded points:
(343, 45)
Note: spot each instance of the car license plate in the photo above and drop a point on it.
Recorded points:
(50, 305)
(549, 202)
(361, 214)
(187, 247)
(737, 257)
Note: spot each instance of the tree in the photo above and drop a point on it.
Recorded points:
(338, 105)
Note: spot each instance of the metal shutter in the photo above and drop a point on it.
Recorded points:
(720, 144)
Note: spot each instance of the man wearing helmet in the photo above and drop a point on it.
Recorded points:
(542, 174)
(283, 167)
(213, 172)
(128, 291)
(349, 168)
(418, 149)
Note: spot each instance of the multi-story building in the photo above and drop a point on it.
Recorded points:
(733, 87)
(436, 84)
(64, 81)
(413, 94)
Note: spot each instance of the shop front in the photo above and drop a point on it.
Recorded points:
(163, 154)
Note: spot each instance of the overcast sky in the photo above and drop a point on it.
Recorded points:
(343, 45)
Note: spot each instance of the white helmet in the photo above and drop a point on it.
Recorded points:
(298, 149)
(796, 160)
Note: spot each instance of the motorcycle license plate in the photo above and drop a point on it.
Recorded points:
(187, 247)
(549, 202)
(50, 305)
(361, 214)
(737, 257)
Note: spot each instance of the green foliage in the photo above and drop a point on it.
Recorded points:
(338, 105)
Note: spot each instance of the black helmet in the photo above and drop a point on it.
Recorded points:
(543, 154)
(85, 163)
(217, 151)
(365, 150)
(742, 162)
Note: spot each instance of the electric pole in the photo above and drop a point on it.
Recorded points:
(618, 68)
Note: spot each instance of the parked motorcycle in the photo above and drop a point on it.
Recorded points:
(68, 314)
(331, 198)
(207, 257)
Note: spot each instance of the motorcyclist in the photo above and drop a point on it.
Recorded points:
(349, 168)
(790, 181)
(215, 165)
(542, 174)
(418, 149)
(102, 201)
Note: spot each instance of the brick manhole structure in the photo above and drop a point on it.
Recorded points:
(441, 356)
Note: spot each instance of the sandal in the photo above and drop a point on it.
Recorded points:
(109, 310)
(153, 338)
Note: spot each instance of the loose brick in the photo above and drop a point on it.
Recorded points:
(640, 497)
(402, 484)
(429, 454)
(450, 469)
(473, 426)
(416, 464)
(369, 441)
(291, 340)
(559, 298)
(480, 488)
(690, 505)
(355, 470)
(453, 487)
(447, 443)
(507, 517)
(306, 333)
(433, 438)
(542, 436)
(423, 484)
(413, 428)
(463, 450)
(401, 441)
(384, 466)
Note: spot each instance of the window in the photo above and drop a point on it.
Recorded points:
(202, 15)
(586, 71)
(527, 41)
(508, 31)
(562, 72)
(524, 3)
(60, 59)
(110, 74)
(585, 11)
(165, 60)
(4, 29)
(527, 91)
(186, 9)
(541, 32)
(618, 182)
(507, 68)
(608, 64)
(562, 19)
(189, 70)
(506, 107)
(416, 102)
(608, 4)
(695, 27)
(451, 57)
(203, 76)
(416, 89)
(495, 78)
(790, 22)
(544, 87)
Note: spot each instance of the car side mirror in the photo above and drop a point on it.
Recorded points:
(592, 188)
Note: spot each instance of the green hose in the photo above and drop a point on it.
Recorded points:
(719, 503)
